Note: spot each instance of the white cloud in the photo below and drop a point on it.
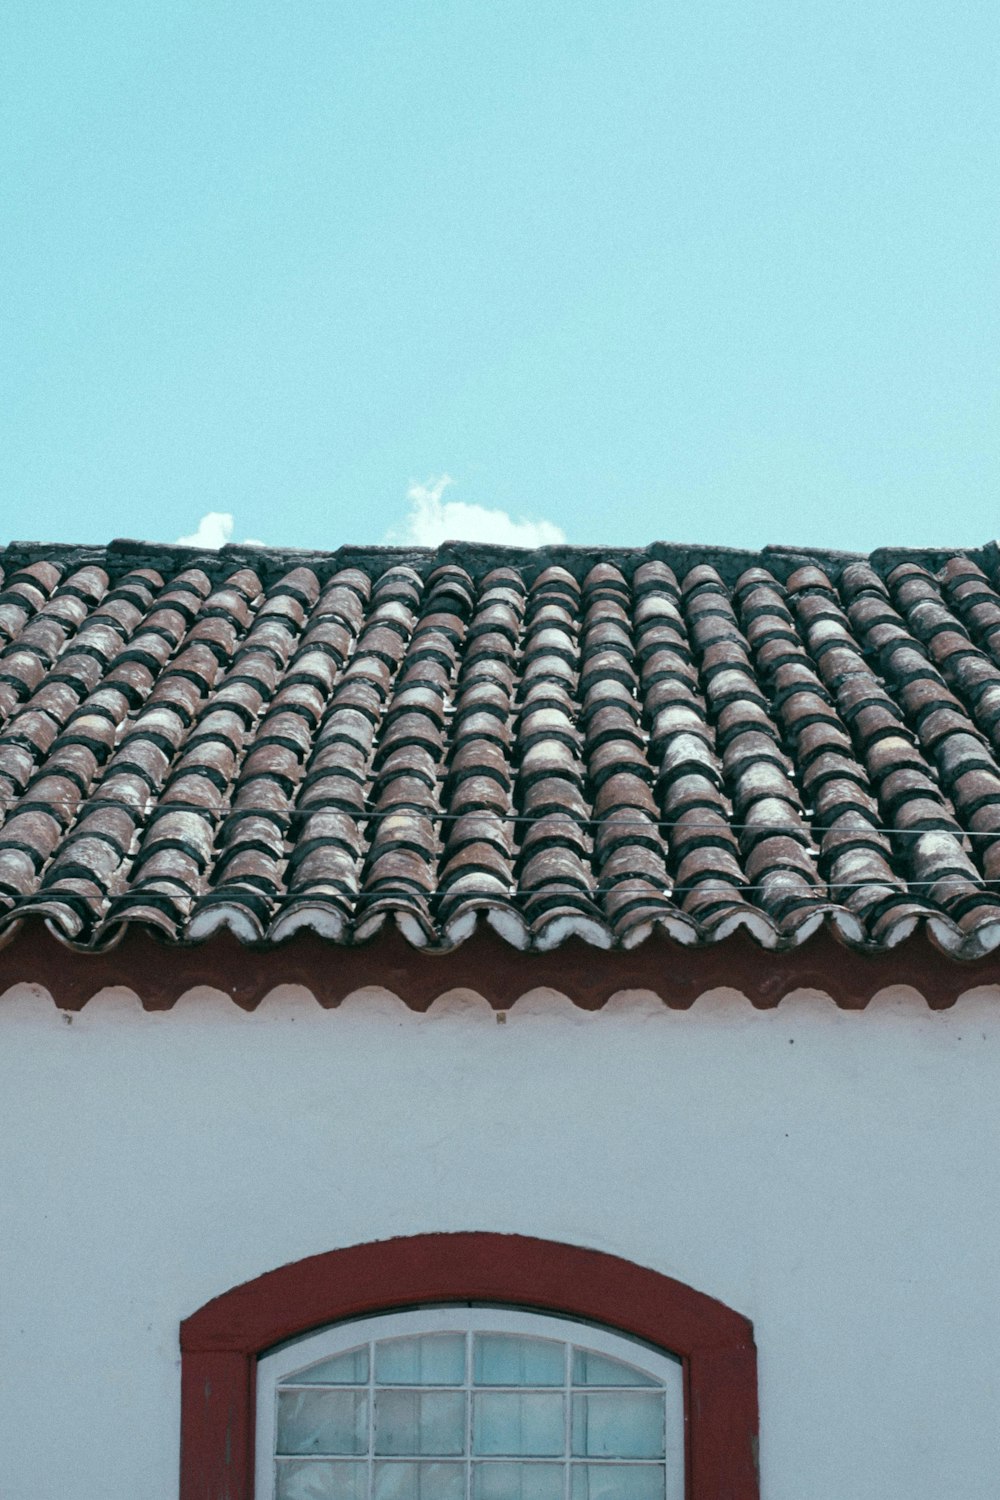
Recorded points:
(215, 529)
(433, 520)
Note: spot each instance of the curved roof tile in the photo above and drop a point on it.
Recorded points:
(575, 742)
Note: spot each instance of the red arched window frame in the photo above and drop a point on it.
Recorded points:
(221, 1342)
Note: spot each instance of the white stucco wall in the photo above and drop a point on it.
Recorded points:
(836, 1177)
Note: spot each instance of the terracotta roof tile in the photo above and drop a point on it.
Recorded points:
(556, 744)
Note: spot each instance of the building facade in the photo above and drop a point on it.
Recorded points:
(580, 969)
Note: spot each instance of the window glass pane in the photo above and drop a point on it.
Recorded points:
(613, 1425)
(598, 1369)
(322, 1481)
(419, 1482)
(506, 1359)
(617, 1482)
(322, 1422)
(517, 1411)
(505, 1422)
(344, 1369)
(430, 1359)
(517, 1482)
(420, 1422)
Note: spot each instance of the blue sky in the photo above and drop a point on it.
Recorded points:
(721, 272)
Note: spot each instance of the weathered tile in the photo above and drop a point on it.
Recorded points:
(556, 748)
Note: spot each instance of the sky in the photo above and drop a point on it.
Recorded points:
(607, 271)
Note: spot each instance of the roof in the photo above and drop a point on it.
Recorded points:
(603, 745)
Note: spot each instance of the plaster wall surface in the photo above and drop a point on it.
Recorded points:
(833, 1176)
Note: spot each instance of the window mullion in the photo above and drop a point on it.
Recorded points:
(371, 1420)
(567, 1417)
(468, 1415)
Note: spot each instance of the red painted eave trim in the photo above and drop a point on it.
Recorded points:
(160, 972)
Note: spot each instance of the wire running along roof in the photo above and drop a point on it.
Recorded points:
(570, 742)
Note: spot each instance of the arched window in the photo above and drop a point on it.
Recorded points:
(426, 1362)
(471, 1403)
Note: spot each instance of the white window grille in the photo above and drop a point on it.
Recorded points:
(469, 1403)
